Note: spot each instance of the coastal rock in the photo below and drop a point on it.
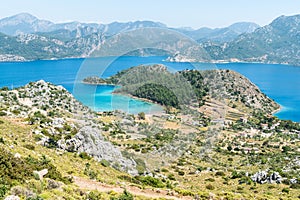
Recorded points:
(11, 58)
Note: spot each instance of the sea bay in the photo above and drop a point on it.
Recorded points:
(279, 82)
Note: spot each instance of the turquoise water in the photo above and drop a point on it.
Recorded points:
(280, 82)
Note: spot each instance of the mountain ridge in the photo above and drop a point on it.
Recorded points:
(25, 23)
(277, 42)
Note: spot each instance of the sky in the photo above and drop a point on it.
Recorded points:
(174, 13)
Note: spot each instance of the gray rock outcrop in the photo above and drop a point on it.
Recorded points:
(64, 122)
(12, 197)
(90, 140)
(263, 177)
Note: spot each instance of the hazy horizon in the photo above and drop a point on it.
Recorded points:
(191, 13)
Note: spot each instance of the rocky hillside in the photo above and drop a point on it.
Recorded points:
(61, 122)
(277, 42)
(67, 152)
(28, 38)
(156, 83)
(25, 37)
(33, 46)
(230, 85)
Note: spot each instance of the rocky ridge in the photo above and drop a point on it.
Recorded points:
(61, 122)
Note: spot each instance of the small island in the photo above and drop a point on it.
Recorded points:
(187, 89)
(94, 80)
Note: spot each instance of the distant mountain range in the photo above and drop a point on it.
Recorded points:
(220, 34)
(25, 37)
(278, 42)
(25, 23)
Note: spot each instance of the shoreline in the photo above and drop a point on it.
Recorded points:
(121, 93)
(281, 109)
(107, 84)
(155, 112)
(152, 112)
(137, 98)
(165, 60)
(278, 109)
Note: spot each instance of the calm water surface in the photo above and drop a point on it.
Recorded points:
(280, 82)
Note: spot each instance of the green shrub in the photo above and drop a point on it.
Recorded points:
(210, 187)
(67, 127)
(245, 179)
(29, 146)
(45, 132)
(210, 179)
(171, 177)
(16, 112)
(89, 172)
(84, 155)
(150, 181)
(125, 178)
(5, 88)
(140, 165)
(200, 168)
(181, 173)
(3, 190)
(271, 187)
(236, 174)
(94, 195)
(104, 163)
(229, 148)
(164, 170)
(14, 171)
(286, 149)
(105, 128)
(142, 116)
(220, 173)
(125, 196)
(295, 186)
(285, 190)
(184, 192)
(239, 188)
(2, 113)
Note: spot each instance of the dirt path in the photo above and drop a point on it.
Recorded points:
(94, 185)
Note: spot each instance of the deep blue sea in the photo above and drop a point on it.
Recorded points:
(280, 82)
